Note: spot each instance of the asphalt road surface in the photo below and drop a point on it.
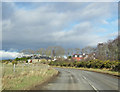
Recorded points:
(73, 79)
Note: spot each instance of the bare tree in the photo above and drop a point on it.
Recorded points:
(77, 50)
(41, 51)
(89, 49)
(68, 52)
(28, 51)
(59, 51)
(48, 51)
(108, 50)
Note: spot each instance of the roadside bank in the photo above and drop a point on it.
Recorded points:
(44, 82)
(27, 77)
(104, 71)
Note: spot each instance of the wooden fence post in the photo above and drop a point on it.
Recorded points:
(14, 67)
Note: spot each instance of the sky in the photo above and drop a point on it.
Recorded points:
(37, 25)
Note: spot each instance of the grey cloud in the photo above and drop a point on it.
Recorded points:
(8, 10)
(45, 25)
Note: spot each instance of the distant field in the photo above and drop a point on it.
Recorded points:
(25, 76)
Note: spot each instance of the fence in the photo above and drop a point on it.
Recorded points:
(9, 69)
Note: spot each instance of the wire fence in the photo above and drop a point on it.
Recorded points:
(15, 76)
(9, 69)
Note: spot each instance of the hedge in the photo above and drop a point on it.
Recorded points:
(113, 65)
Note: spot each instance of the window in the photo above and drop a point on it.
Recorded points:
(80, 55)
(75, 55)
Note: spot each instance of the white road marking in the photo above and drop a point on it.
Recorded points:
(91, 84)
(71, 77)
(94, 88)
(84, 77)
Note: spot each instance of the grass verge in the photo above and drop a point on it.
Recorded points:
(26, 76)
(104, 71)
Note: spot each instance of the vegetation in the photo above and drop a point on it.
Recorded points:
(44, 61)
(25, 76)
(103, 51)
(22, 76)
(109, 50)
(22, 58)
(14, 62)
(96, 64)
(107, 56)
(6, 61)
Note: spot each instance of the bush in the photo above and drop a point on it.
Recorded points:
(116, 67)
(6, 62)
(44, 61)
(88, 64)
(107, 64)
(22, 58)
(78, 64)
(112, 65)
(14, 62)
(69, 57)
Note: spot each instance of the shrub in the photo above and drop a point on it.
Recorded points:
(14, 62)
(6, 62)
(44, 61)
(107, 64)
(116, 67)
(78, 64)
(113, 65)
(88, 64)
(69, 57)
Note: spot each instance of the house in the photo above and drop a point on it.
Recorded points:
(77, 57)
(29, 61)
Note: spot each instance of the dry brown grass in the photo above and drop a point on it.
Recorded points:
(25, 78)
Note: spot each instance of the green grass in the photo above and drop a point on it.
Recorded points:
(23, 82)
(25, 77)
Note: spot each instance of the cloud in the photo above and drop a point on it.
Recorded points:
(50, 24)
(8, 10)
(8, 55)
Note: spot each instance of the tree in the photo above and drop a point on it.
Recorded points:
(77, 50)
(89, 49)
(48, 51)
(108, 50)
(28, 51)
(41, 51)
(68, 52)
(59, 51)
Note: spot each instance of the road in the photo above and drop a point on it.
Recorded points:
(74, 79)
